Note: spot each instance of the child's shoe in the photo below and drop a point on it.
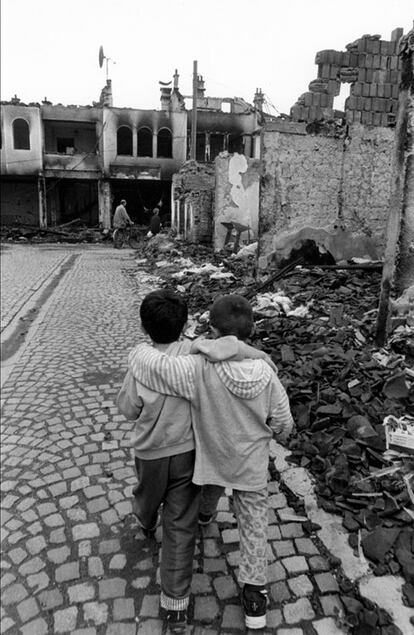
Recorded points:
(204, 519)
(176, 622)
(254, 599)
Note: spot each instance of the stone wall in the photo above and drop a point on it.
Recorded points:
(236, 196)
(324, 177)
(366, 184)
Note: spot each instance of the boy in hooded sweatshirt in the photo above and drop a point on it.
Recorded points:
(163, 442)
(237, 407)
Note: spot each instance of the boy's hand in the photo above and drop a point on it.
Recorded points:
(249, 352)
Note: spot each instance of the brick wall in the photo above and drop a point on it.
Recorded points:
(373, 69)
(19, 203)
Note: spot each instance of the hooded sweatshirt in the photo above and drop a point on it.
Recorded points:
(237, 406)
(163, 424)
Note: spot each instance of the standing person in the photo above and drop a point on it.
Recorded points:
(155, 222)
(163, 444)
(121, 217)
(236, 409)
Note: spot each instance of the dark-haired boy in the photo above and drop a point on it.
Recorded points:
(236, 409)
(163, 442)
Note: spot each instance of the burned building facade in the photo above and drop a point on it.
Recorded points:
(60, 163)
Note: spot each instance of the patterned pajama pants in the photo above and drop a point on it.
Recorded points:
(252, 519)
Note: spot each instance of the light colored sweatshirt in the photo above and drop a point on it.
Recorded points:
(237, 406)
(162, 423)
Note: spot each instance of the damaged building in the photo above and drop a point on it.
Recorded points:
(321, 174)
(60, 163)
(327, 172)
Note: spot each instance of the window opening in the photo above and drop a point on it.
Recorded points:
(144, 142)
(216, 145)
(124, 141)
(65, 145)
(21, 134)
(339, 102)
(201, 147)
(164, 143)
(236, 143)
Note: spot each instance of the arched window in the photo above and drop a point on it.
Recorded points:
(144, 142)
(164, 143)
(21, 134)
(124, 141)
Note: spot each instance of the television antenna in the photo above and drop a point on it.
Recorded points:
(103, 57)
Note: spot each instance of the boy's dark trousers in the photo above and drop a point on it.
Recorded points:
(169, 481)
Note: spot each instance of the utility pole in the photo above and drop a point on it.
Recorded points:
(194, 114)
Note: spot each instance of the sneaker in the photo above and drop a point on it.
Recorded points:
(254, 601)
(176, 622)
(204, 519)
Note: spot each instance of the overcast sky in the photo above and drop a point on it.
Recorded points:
(49, 48)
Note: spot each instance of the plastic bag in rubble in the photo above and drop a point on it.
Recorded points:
(207, 268)
(272, 304)
(300, 311)
(245, 252)
(221, 275)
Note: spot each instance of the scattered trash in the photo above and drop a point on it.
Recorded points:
(399, 433)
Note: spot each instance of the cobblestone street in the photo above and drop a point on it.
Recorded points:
(73, 559)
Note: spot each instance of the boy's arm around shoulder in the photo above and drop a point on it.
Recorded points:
(128, 401)
(230, 349)
(167, 374)
(280, 417)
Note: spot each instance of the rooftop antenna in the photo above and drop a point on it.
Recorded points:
(103, 57)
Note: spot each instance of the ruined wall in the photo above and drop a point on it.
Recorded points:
(301, 180)
(193, 194)
(328, 169)
(236, 196)
(335, 177)
(19, 202)
(373, 69)
(366, 185)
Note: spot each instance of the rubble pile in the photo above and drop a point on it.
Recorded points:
(318, 326)
(73, 232)
(341, 389)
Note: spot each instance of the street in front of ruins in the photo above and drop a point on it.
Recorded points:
(73, 559)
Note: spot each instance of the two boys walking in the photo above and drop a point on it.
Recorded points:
(204, 417)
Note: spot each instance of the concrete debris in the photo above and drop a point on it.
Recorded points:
(246, 252)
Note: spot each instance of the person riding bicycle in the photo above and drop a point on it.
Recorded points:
(121, 218)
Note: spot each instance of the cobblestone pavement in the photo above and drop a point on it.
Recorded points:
(73, 559)
(23, 271)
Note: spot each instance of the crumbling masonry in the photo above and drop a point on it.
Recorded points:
(371, 66)
(328, 172)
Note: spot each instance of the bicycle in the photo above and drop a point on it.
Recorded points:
(130, 235)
